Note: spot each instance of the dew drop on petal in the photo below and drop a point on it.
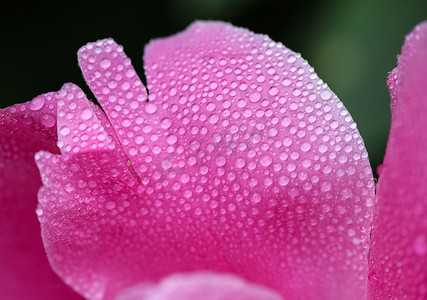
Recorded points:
(105, 63)
(150, 108)
(256, 198)
(37, 103)
(220, 161)
(254, 97)
(273, 91)
(86, 113)
(266, 161)
(64, 130)
(48, 120)
(326, 94)
(165, 123)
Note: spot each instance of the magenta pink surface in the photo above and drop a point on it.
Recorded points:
(238, 175)
(243, 162)
(399, 238)
(24, 269)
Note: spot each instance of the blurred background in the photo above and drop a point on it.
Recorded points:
(351, 44)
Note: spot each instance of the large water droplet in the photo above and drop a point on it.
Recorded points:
(150, 108)
(220, 161)
(64, 130)
(105, 63)
(325, 94)
(266, 161)
(165, 123)
(37, 103)
(86, 113)
(256, 198)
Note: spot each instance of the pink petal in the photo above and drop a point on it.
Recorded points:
(247, 164)
(398, 255)
(25, 272)
(202, 285)
(74, 184)
(113, 80)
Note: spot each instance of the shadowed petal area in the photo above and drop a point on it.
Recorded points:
(74, 187)
(398, 255)
(203, 285)
(25, 272)
(244, 163)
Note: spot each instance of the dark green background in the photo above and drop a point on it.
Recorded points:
(351, 44)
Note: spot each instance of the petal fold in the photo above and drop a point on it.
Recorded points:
(25, 272)
(398, 255)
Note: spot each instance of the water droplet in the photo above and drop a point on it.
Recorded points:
(266, 161)
(213, 119)
(231, 207)
(325, 94)
(323, 148)
(110, 205)
(254, 97)
(256, 198)
(283, 180)
(286, 121)
(171, 139)
(305, 146)
(165, 123)
(220, 161)
(172, 92)
(64, 130)
(150, 108)
(326, 186)
(240, 163)
(273, 91)
(48, 120)
(39, 211)
(37, 103)
(286, 82)
(105, 63)
(291, 58)
(86, 113)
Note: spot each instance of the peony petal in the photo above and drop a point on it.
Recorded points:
(202, 285)
(25, 271)
(248, 164)
(113, 80)
(86, 146)
(79, 130)
(398, 255)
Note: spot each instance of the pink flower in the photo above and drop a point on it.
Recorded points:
(243, 177)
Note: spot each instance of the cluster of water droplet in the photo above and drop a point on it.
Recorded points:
(245, 161)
